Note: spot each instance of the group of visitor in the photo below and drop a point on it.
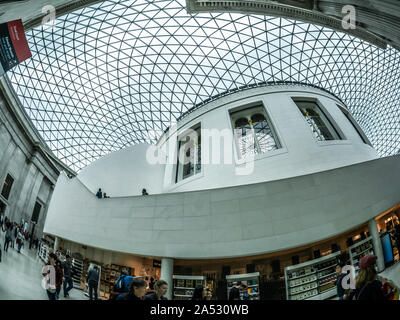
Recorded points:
(14, 234)
(64, 272)
(136, 290)
(100, 194)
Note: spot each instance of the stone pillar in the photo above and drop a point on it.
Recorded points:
(376, 240)
(56, 244)
(167, 269)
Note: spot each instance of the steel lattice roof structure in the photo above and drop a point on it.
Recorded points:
(108, 74)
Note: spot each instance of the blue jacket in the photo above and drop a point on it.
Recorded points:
(126, 282)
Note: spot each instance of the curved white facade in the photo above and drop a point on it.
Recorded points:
(126, 172)
(303, 191)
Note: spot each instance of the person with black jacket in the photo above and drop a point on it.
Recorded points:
(234, 293)
(69, 272)
(338, 283)
(137, 290)
(199, 293)
(93, 281)
(161, 288)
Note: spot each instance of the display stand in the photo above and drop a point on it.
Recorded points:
(105, 286)
(44, 252)
(312, 280)
(78, 266)
(252, 280)
(359, 250)
(185, 285)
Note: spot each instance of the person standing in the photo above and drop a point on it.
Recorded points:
(199, 293)
(234, 293)
(161, 288)
(93, 281)
(368, 287)
(99, 194)
(338, 282)
(14, 233)
(69, 272)
(20, 240)
(209, 294)
(151, 284)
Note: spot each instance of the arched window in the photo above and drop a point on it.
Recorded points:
(253, 132)
(319, 124)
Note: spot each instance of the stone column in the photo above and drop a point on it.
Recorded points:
(56, 244)
(376, 240)
(167, 269)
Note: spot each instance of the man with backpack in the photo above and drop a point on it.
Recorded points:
(122, 284)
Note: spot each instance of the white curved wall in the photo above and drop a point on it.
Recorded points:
(123, 173)
(227, 222)
(300, 154)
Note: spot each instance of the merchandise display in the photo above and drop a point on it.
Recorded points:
(109, 276)
(359, 250)
(43, 251)
(251, 280)
(77, 278)
(185, 285)
(313, 279)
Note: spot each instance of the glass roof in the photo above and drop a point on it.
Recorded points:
(108, 74)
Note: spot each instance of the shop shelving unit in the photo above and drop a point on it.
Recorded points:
(185, 285)
(78, 266)
(359, 250)
(44, 252)
(312, 280)
(252, 280)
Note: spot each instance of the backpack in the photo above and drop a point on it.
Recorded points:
(15, 232)
(120, 285)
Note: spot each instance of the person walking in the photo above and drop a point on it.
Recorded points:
(161, 288)
(338, 282)
(69, 272)
(7, 238)
(93, 281)
(59, 277)
(20, 240)
(46, 272)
